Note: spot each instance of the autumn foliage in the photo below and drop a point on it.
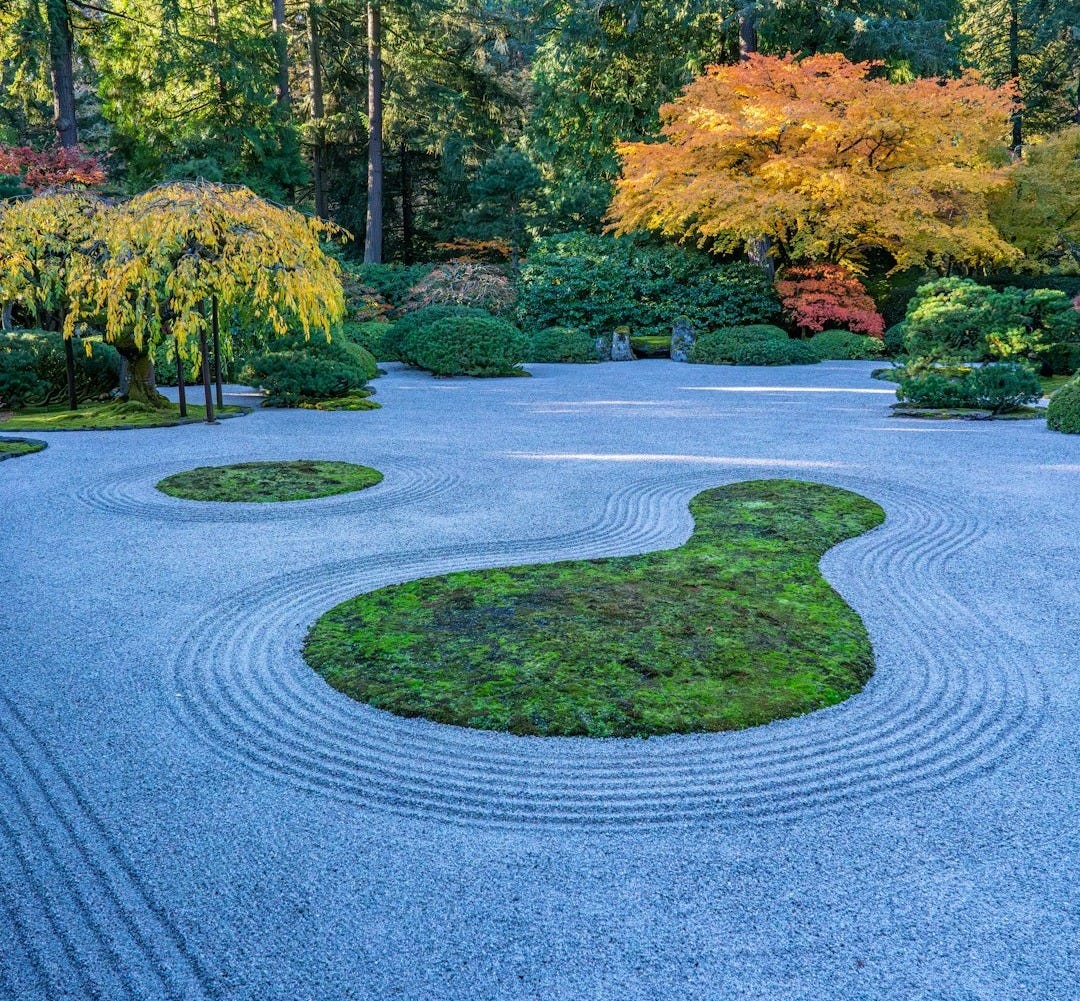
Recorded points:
(60, 167)
(826, 296)
(827, 161)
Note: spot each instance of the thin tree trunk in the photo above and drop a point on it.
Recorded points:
(318, 149)
(217, 351)
(373, 232)
(207, 395)
(281, 44)
(748, 20)
(1014, 74)
(181, 393)
(219, 49)
(62, 72)
(69, 364)
(757, 250)
(5, 317)
(408, 227)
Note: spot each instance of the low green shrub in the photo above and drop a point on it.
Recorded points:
(562, 344)
(391, 281)
(371, 336)
(1060, 359)
(468, 345)
(33, 368)
(1063, 413)
(842, 345)
(295, 371)
(893, 341)
(722, 347)
(405, 330)
(999, 387)
(770, 352)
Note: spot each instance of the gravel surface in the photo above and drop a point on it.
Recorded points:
(187, 811)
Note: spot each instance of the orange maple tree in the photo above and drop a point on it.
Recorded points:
(825, 160)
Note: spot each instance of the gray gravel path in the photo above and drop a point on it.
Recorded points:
(186, 811)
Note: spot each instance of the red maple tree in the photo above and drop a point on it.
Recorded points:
(820, 296)
(51, 168)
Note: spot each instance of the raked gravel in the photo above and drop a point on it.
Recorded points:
(187, 811)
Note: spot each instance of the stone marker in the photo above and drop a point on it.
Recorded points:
(620, 345)
(682, 339)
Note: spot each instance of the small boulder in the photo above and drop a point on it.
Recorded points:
(620, 346)
(682, 339)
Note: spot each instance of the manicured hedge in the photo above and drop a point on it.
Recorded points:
(596, 284)
(405, 331)
(842, 345)
(1063, 413)
(561, 344)
(723, 346)
(468, 345)
(297, 372)
(999, 387)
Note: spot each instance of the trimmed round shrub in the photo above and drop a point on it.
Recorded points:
(1063, 413)
(371, 336)
(998, 387)
(561, 344)
(842, 345)
(33, 368)
(295, 371)
(405, 330)
(770, 352)
(468, 345)
(724, 346)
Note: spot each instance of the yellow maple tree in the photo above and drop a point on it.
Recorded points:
(826, 160)
(162, 257)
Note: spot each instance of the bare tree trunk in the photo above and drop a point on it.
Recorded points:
(748, 19)
(62, 72)
(1014, 75)
(207, 396)
(69, 364)
(181, 392)
(216, 328)
(757, 250)
(281, 44)
(318, 150)
(408, 227)
(373, 233)
(5, 317)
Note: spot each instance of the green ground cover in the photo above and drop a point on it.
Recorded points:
(107, 417)
(733, 629)
(11, 448)
(302, 479)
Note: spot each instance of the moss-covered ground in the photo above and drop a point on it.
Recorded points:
(11, 448)
(269, 481)
(107, 417)
(733, 629)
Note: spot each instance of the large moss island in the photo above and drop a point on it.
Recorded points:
(733, 629)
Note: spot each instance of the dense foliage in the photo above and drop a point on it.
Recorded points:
(596, 284)
(562, 344)
(468, 345)
(295, 370)
(1063, 413)
(998, 387)
(462, 283)
(758, 344)
(33, 368)
(957, 320)
(408, 332)
(842, 345)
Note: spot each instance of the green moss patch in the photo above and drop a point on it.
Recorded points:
(11, 448)
(108, 417)
(265, 482)
(733, 629)
(964, 413)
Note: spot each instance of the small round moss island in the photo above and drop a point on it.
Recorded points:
(733, 629)
(265, 482)
(12, 448)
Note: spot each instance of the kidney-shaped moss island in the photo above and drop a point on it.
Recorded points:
(733, 629)
(268, 482)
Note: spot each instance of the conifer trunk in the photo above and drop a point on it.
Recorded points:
(1014, 74)
(373, 232)
(281, 45)
(61, 71)
(318, 149)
